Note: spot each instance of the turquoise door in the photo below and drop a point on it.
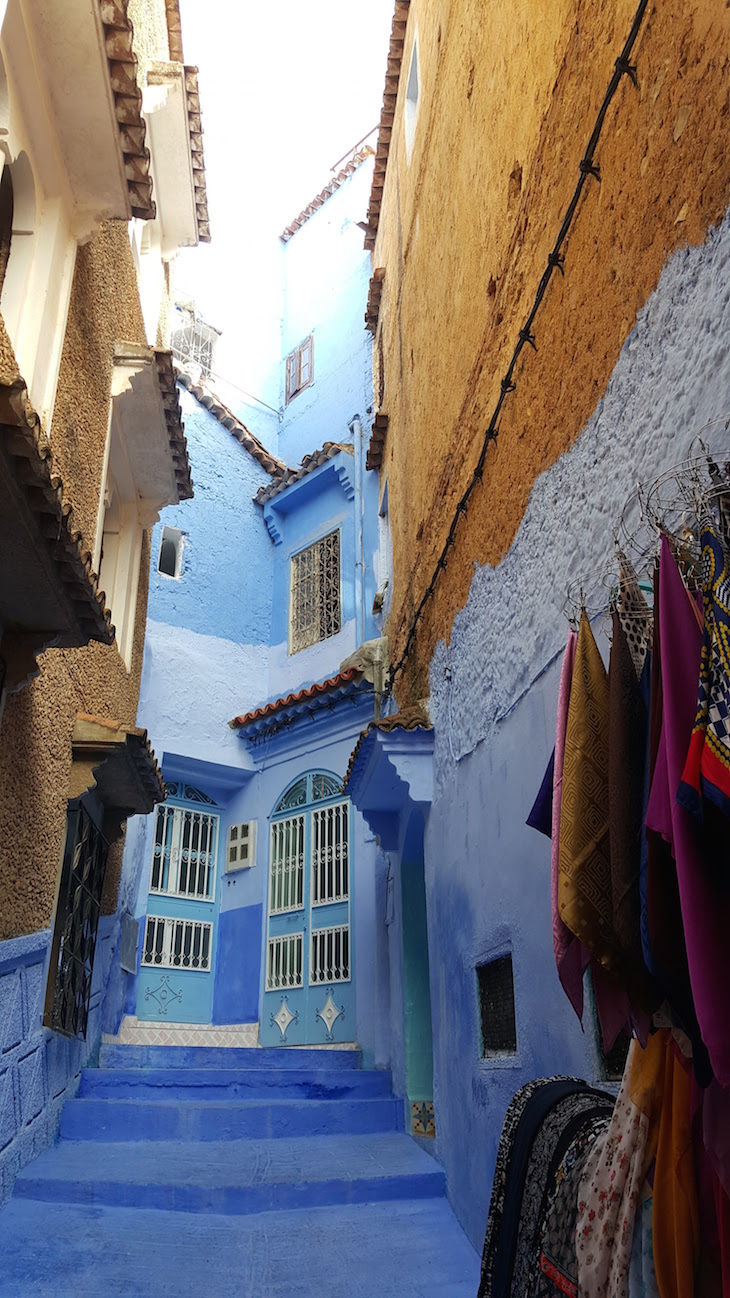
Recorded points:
(175, 983)
(309, 996)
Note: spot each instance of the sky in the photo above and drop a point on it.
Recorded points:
(286, 88)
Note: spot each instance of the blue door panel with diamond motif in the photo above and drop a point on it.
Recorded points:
(309, 995)
(176, 976)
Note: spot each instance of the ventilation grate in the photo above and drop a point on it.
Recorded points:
(497, 1007)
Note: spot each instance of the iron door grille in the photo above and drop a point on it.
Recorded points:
(77, 918)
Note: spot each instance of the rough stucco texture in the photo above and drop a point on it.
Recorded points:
(151, 43)
(507, 103)
(37, 724)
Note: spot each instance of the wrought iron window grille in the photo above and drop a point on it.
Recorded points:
(315, 593)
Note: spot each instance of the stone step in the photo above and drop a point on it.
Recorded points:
(121, 1056)
(230, 1083)
(233, 1177)
(400, 1249)
(167, 1119)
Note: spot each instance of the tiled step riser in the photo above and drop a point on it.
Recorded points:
(233, 1057)
(116, 1120)
(231, 1084)
(232, 1200)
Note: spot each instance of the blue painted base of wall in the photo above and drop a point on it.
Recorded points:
(238, 965)
(39, 1070)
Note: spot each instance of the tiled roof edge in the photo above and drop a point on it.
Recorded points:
(392, 77)
(351, 674)
(308, 465)
(413, 718)
(209, 401)
(167, 379)
(122, 60)
(195, 130)
(174, 30)
(357, 159)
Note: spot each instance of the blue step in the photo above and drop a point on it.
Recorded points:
(399, 1249)
(233, 1177)
(221, 1083)
(113, 1056)
(168, 1119)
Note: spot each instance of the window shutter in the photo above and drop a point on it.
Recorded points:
(305, 363)
(291, 380)
(241, 846)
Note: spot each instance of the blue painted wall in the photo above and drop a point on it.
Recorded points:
(487, 874)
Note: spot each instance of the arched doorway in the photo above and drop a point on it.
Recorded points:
(308, 995)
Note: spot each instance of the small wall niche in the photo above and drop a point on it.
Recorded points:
(496, 993)
(170, 557)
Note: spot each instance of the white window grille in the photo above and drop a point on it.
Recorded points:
(284, 963)
(330, 961)
(177, 943)
(286, 870)
(241, 846)
(184, 854)
(330, 865)
(315, 593)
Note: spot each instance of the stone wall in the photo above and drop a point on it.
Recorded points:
(507, 102)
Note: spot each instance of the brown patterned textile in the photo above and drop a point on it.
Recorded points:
(584, 883)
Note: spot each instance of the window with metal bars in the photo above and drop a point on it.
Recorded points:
(284, 962)
(184, 853)
(497, 1007)
(330, 962)
(315, 593)
(330, 844)
(286, 865)
(177, 943)
(300, 368)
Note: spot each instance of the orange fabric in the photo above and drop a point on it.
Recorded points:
(676, 1212)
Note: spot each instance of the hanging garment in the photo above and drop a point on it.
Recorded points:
(520, 1187)
(555, 1269)
(707, 768)
(676, 1214)
(614, 1174)
(541, 812)
(571, 956)
(642, 1273)
(627, 738)
(705, 910)
(584, 884)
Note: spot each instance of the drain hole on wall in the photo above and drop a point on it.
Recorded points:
(497, 1007)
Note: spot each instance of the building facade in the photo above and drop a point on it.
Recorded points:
(548, 309)
(102, 181)
(263, 661)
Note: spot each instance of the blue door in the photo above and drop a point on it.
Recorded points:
(175, 982)
(309, 997)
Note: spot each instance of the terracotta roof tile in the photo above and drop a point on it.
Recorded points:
(209, 401)
(395, 58)
(375, 292)
(301, 696)
(413, 718)
(374, 457)
(175, 427)
(174, 30)
(357, 159)
(138, 748)
(195, 129)
(122, 60)
(308, 464)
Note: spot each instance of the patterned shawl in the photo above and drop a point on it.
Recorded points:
(571, 956)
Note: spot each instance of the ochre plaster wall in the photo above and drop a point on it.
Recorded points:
(508, 98)
(38, 721)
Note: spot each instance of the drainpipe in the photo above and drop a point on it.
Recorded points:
(356, 430)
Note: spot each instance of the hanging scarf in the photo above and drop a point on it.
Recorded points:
(705, 909)
(676, 1214)
(707, 768)
(584, 884)
(571, 956)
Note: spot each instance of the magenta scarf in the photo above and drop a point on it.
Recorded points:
(705, 910)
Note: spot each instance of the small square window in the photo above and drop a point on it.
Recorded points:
(170, 556)
(315, 593)
(300, 368)
(497, 1007)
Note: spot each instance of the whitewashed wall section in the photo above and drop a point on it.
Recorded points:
(671, 378)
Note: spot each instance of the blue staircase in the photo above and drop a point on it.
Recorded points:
(255, 1173)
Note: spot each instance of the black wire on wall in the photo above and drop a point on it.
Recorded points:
(525, 338)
